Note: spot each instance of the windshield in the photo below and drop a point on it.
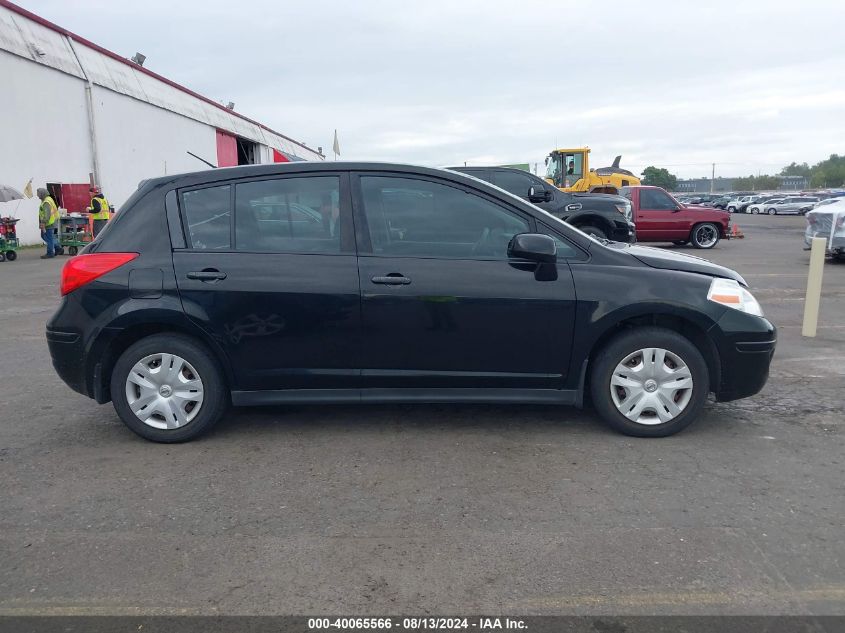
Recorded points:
(553, 169)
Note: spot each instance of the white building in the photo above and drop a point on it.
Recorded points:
(73, 111)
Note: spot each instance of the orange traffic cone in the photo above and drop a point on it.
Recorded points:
(736, 234)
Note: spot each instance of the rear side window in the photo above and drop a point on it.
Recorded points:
(288, 215)
(208, 215)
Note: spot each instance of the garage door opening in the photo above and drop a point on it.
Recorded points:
(234, 150)
(247, 152)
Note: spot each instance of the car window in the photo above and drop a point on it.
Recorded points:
(288, 215)
(427, 219)
(513, 182)
(657, 200)
(565, 250)
(208, 216)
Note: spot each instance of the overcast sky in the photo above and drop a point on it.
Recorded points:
(749, 85)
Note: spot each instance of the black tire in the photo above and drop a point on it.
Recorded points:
(11, 255)
(698, 233)
(215, 393)
(772, 211)
(731, 209)
(680, 242)
(628, 342)
(60, 250)
(72, 250)
(595, 231)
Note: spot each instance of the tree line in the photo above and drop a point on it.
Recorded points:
(824, 174)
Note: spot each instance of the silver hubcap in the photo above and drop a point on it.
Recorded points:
(651, 386)
(164, 391)
(706, 235)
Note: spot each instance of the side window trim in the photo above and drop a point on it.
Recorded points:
(362, 231)
(174, 220)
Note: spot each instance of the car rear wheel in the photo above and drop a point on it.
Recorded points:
(772, 211)
(649, 382)
(705, 235)
(168, 388)
(594, 231)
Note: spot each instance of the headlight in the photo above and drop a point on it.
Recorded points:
(624, 209)
(730, 294)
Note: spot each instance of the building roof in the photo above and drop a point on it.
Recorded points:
(49, 44)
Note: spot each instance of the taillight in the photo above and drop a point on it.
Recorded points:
(84, 269)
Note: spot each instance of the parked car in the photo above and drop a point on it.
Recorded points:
(424, 285)
(828, 221)
(735, 203)
(739, 203)
(661, 218)
(785, 205)
(761, 202)
(721, 202)
(598, 214)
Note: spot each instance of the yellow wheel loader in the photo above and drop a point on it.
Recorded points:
(569, 170)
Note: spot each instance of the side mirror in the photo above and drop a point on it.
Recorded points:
(534, 247)
(537, 194)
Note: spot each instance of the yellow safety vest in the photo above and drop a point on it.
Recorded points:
(48, 212)
(103, 213)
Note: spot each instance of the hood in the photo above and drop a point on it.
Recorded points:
(601, 196)
(668, 260)
(697, 207)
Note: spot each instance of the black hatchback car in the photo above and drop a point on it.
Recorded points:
(359, 282)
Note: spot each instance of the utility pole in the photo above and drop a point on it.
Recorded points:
(713, 178)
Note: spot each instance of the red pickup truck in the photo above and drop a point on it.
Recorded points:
(661, 218)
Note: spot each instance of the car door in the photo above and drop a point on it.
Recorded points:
(659, 217)
(270, 273)
(442, 305)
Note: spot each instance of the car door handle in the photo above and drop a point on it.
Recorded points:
(393, 279)
(574, 207)
(206, 275)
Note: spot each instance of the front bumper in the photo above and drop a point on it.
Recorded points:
(624, 233)
(746, 345)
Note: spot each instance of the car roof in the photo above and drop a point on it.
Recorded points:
(249, 171)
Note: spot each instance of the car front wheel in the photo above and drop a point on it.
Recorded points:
(705, 235)
(168, 388)
(649, 382)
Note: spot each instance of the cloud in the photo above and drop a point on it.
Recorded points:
(750, 86)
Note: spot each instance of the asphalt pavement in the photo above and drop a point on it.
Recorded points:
(433, 509)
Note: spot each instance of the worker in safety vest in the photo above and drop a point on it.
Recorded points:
(99, 210)
(48, 219)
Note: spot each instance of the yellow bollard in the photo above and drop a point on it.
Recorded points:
(814, 287)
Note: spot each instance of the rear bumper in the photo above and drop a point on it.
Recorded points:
(68, 355)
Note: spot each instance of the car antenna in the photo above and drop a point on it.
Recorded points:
(203, 160)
